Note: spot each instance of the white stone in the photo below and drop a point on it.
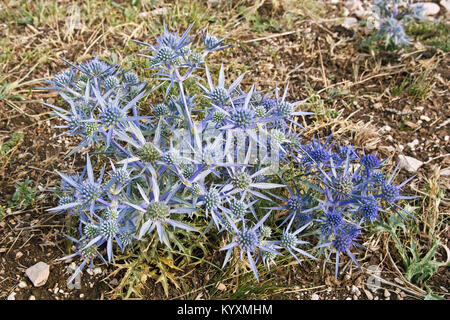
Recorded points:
(214, 2)
(445, 173)
(315, 296)
(350, 23)
(38, 273)
(345, 12)
(353, 5)
(356, 291)
(32, 298)
(156, 12)
(386, 128)
(22, 284)
(159, 11)
(368, 294)
(413, 144)
(221, 287)
(425, 118)
(97, 271)
(409, 163)
(361, 13)
(430, 8)
(446, 5)
(12, 296)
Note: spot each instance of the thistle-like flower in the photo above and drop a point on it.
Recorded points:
(248, 240)
(157, 213)
(219, 95)
(213, 43)
(392, 17)
(246, 183)
(106, 230)
(316, 153)
(343, 240)
(87, 192)
(290, 241)
(391, 193)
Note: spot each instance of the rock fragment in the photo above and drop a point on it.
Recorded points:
(410, 164)
(350, 23)
(430, 8)
(315, 296)
(446, 5)
(38, 273)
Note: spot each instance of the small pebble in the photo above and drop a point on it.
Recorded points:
(38, 273)
(97, 271)
(413, 144)
(410, 164)
(315, 296)
(22, 284)
(368, 294)
(356, 291)
(430, 8)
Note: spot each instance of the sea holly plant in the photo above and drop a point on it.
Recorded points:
(212, 167)
(390, 19)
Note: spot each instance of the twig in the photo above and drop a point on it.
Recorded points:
(274, 35)
(441, 156)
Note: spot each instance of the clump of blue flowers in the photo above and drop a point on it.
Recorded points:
(200, 167)
(392, 16)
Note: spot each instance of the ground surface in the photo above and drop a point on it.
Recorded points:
(396, 103)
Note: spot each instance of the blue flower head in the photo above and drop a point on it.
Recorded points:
(316, 153)
(213, 43)
(87, 192)
(344, 238)
(290, 241)
(369, 208)
(391, 193)
(248, 240)
(392, 17)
